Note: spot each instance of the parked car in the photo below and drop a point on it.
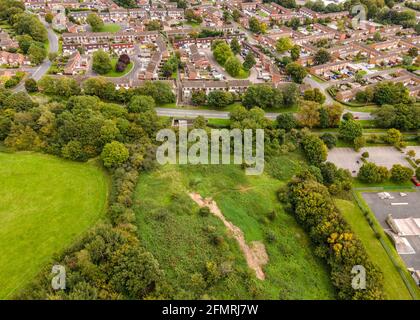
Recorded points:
(415, 181)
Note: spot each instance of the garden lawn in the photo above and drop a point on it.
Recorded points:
(46, 204)
(394, 286)
(171, 228)
(110, 27)
(114, 74)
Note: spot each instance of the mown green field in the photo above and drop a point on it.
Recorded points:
(46, 204)
(181, 239)
(394, 286)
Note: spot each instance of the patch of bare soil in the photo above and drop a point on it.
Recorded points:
(255, 254)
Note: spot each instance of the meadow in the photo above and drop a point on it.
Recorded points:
(46, 204)
(184, 242)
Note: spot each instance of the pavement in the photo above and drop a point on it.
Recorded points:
(347, 158)
(186, 113)
(381, 209)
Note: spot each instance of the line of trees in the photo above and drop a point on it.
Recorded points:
(312, 204)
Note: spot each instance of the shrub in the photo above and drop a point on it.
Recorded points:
(400, 173)
(329, 139)
(371, 173)
(114, 154)
(204, 211)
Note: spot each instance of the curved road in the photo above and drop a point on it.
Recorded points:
(38, 72)
(328, 100)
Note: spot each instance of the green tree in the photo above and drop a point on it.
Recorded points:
(160, 91)
(350, 130)
(295, 53)
(235, 46)
(308, 114)
(400, 173)
(296, 72)
(114, 154)
(49, 17)
(31, 85)
(222, 52)
(329, 139)
(314, 148)
(359, 142)
(236, 14)
(390, 93)
(286, 121)
(101, 62)
(263, 96)
(219, 98)
(322, 56)
(73, 151)
(29, 24)
(139, 103)
(136, 273)
(256, 26)
(36, 54)
(95, 22)
(393, 136)
(199, 98)
(25, 42)
(233, 66)
(284, 44)
(249, 61)
(371, 173)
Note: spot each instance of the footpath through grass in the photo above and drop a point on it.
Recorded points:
(46, 204)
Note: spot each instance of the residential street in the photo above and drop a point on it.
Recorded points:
(323, 88)
(170, 112)
(38, 72)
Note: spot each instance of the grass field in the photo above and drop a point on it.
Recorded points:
(113, 73)
(110, 27)
(394, 286)
(171, 228)
(46, 204)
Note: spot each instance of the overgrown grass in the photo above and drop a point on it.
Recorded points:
(46, 204)
(171, 228)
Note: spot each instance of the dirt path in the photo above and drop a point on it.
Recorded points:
(255, 253)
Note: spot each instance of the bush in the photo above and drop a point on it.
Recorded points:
(329, 139)
(204, 211)
(365, 154)
(371, 173)
(114, 154)
(400, 173)
(31, 85)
